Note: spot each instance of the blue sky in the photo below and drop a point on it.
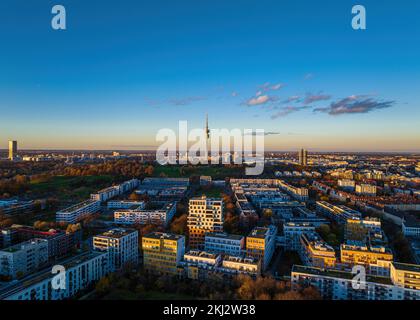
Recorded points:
(124, 69)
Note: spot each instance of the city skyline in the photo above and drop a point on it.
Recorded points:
(305, 77)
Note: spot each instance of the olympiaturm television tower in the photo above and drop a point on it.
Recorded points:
(207, 126)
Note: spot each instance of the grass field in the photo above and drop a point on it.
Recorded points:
(216, 172)
(70, 188)
(212, 192)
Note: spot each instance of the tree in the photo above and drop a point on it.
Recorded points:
(323, 230)
(268, 213)
(149, 170)
(179, 225)
(5, 222)
(41, 225)
(311, 293)
(134, 197)
(71, 228)
(103, 285)
(355, 231)
(230, 206)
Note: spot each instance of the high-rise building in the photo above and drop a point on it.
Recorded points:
(204, 215)
(261, 243)
(12, 149)
(303, 157)
(163, 252)
(121, 244)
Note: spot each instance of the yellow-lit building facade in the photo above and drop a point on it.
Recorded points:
(364, 255)
(406, 275)
(204, 215)
(162, 252)
(315, 252)
(261, 243)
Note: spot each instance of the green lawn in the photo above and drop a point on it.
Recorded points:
(69, 188)
(212, 192)
(216, 172)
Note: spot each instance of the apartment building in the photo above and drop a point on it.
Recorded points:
(14, 207)
(13, 150)
(366, 189)
(128, 185)
(340, 285)
(303, 157)
(368, 225)
(204, 215)
(23, 258)
(303, 212)
(164, 189)
(8, 237)
(81, 271)
(79, 211)
(347, 184)
(376, 257)
(163, 252)
(114, 191)
(315, 221)
(220, 242)
(121, 244)
(338, 213)
(126, 204)
(316, 252)
(411, 228)
(282, 210)
(234, 265)
(261, 243)
(199, 265)
(106, 194)
(60, 243)
(292, 232)
(140, 215)
(299, 193)
(406, 276)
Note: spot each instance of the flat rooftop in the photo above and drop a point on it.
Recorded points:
(407, 267)
(223, 235)
(241, 259)
(116, 233)
(338, 274)
(163, 235)
(259, 232)
(412, 222)
(77, 206)
(23, 245)
(44, 274)
(112, 188)
(201, 254)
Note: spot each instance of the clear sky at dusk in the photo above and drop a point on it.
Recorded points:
(124, 69)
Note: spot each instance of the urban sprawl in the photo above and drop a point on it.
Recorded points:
(306, 223)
